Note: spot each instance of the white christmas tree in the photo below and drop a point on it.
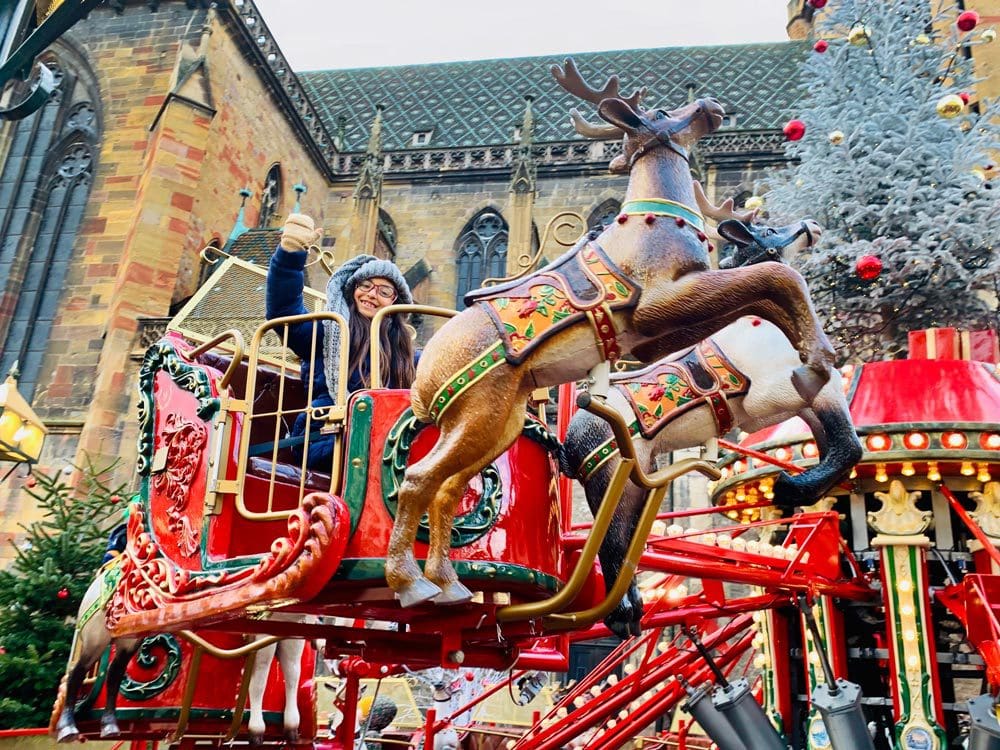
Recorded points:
(895, 162)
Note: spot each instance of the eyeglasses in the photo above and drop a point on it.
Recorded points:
(383, 290)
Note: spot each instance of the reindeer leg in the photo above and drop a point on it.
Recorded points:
(66, 730)
(838, 452)
(465, 448)
(290, 659)
(258, 681)
(707, 301)
(124, 651)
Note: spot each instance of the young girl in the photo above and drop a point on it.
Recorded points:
(357, 290)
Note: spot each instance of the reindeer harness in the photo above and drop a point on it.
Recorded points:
(701, 376)
(582, 284)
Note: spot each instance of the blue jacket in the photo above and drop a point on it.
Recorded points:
(285, 282)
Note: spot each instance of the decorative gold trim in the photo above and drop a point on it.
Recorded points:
(899, 515)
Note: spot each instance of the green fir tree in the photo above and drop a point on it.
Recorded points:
(42, 589)
(889, 176)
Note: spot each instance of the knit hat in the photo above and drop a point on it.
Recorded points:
(339, 291)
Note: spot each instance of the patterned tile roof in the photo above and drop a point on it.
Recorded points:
(481, 102)
(256, 245)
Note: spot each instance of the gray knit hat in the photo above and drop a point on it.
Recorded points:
(338, 293)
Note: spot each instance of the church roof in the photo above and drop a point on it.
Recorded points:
(256, 245)
(481, 102)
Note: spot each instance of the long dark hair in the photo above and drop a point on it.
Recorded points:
(395, 348)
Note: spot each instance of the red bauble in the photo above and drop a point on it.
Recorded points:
(63, 593)
(794, 130)
(817, 3)
(868, 267)
(115, 499)
(964, 96)
(967, 20)
(30, 482)
(821, 46)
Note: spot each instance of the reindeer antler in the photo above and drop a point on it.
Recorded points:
(722, 212)
(569, 78)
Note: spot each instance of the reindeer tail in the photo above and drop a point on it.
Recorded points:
(60, 704)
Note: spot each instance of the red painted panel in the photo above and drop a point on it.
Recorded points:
(913, 390)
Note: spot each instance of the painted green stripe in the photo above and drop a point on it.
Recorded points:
(666, 208)
(358, 452)
(373, 568)
(465, 377)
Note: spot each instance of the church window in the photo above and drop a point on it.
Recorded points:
(481, 252)
(45, 183)
(421, 138)
(269, 196)
(604, 214)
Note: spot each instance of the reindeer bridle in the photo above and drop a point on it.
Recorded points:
(664, 136)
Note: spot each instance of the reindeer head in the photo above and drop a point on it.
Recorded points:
(644, 130)
(756, 243)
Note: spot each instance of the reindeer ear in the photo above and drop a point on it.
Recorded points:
(619, 165)
(736, 232)
(620, 114)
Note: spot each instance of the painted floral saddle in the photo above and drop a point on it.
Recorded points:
(582, 283)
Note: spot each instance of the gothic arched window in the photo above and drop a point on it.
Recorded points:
(385, 243)
(481, 252)
(44, 187)
(604, 214)
(270, 194)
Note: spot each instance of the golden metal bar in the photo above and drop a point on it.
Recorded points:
(565, 596)
(185, 712)
(341, 397)
(241, 697)
(626, 574)
(374, 354)
(626, 449)
(229, 653)
(238, 346)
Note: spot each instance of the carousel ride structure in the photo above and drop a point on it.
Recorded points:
(232, 536)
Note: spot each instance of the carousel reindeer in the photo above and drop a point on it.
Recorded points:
(644, 285)
(741, 377)
(92, 638)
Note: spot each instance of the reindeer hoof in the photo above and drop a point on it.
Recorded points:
(808, 382)
(256, 740)
(453, 593)
(68, 734)
(110, 729)
(417, 592)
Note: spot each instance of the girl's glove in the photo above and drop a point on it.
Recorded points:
(299, 233)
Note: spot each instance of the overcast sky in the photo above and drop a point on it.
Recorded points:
(320, 34)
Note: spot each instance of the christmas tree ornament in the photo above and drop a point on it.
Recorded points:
(836, 137)
(794, 130)
(922, 39)
(753, 203)
(859, 35)
(817, 3)
(115, 499)
(950, 106)
(63, 593)
(967, 20)
(979, 172)
(821, 46)
(988, 36)
(868, 267)
(964, 96)
(30, 482)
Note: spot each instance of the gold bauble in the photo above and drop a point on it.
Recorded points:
(979, 172)
(950, 105)
(989, 35)
(753, 203)
(859, 35)
(922, 39)
(836, 137)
